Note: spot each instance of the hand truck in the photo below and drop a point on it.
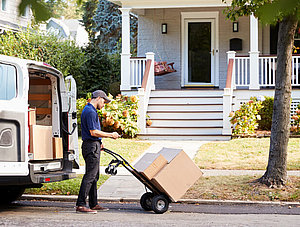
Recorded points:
(154, 199)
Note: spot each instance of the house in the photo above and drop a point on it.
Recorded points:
(219, 65)
(9, 16)
(68, 29)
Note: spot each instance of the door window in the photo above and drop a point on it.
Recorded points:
(8, 82)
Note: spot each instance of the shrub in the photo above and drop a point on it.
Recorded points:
(119, 115)
(245, 119)
(295, 124)
(266, 113)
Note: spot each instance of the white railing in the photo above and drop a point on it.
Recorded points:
(242, 71)
(267, 70)
(137, 70)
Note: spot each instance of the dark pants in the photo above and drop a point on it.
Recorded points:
(91, 154)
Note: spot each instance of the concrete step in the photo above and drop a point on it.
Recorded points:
(184, 137)
(186, 100)
(186, 123)
(185, 115)
(184, 107)
(186, 130)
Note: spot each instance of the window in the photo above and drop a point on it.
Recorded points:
(26, 12)
(8, 82)
(3, 5)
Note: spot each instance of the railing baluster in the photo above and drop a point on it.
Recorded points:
(297, 71)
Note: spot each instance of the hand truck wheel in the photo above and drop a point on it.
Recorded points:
(146, 201)
(160, 204)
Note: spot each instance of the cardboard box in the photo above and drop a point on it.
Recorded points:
(178, 176)
(150, 164)
(57, 148)
(31, 116)
(41, 142)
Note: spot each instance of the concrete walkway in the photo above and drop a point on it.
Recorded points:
(124, 186)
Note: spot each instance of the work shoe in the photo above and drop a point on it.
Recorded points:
(86, 210)
(99, 208)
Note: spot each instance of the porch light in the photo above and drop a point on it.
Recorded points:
(164, 28)
(235, 26)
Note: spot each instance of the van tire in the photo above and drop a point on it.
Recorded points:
(10, 194)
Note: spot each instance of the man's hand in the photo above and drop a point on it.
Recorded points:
(115, 135)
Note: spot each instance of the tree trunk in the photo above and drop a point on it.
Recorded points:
(276, 174)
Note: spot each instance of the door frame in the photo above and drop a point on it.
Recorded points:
(212, 17)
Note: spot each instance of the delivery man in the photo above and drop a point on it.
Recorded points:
(91, 147)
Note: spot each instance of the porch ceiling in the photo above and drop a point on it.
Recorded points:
(140, 4)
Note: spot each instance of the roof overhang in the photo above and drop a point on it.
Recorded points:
(150, 4)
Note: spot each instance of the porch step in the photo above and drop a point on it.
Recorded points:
(185, 137)
(185, 115)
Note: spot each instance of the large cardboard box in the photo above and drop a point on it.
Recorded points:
(31, 116)
(57, 148)
(178, 175)
(41, 142)
(150, 164)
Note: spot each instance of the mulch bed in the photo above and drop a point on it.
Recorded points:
(260, 134)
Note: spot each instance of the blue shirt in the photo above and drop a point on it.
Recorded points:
(89, 121)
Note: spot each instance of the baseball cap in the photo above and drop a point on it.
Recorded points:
(100, 93)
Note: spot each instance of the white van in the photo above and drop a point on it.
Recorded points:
(29, 85)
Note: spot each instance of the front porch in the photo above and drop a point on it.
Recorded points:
(193, 104)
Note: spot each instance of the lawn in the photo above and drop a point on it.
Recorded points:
(130, 149)
(66, 187)
(248, 153)
(241, 188)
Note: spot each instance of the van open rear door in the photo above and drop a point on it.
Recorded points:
(72, 118)
(13, 123)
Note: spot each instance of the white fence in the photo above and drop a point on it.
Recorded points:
(137, 69)
(267, 71)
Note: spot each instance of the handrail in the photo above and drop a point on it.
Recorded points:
(146, 74)
(229, 73)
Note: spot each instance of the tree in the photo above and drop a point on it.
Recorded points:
(286, 13)
(89, 10)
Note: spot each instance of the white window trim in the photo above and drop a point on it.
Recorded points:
(5, 6)
(200, 15)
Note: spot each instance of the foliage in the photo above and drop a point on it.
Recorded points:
(89, 10)
(34, 45)
(245, 119)
(66, 187)
(96, 71)
(295, 128)
(108, 21)
(266, 113)
(267, 11)
(119, 115)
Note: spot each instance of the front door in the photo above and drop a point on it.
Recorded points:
(199, 52)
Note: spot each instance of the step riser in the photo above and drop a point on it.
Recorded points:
(189, 137)
(185, 108)
(179, 131)
(178, 93)
(185, 115)
(187, 123)
(185, 101)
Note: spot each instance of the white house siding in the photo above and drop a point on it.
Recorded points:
(167, 47)
(10, 18)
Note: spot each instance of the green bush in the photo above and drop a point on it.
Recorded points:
(119, 115)
(245, 119)
(35, 45)
(266, 113)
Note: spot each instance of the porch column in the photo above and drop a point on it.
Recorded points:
(254, 54)
(125, 55)
(150, 55)
(231, 55)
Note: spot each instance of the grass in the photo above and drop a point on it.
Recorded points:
(241, 188)
(66, 187)
(246, 154)
(130, 149)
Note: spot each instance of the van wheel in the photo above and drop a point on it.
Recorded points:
(10, 194)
